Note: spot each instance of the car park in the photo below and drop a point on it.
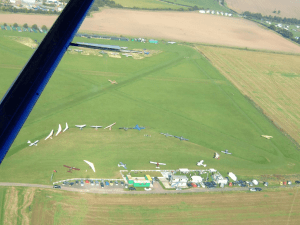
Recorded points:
(57, 186)
(258, 189)
(252, 189)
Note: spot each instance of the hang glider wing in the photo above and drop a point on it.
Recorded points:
(91, 165)
(50, 135)
(67, 127)
(59, 130)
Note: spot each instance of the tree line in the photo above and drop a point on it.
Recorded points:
(25, 25)
(24, 10)
(276, 19)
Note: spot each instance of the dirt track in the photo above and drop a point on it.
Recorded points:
(175, 26)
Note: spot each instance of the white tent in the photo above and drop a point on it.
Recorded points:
(91, 165)
(196, 179)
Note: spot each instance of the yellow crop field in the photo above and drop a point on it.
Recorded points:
(271, 80)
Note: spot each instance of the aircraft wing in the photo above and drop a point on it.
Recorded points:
(91, 165)
(121, 164)
(153, 162)
(110, 125)
(162, 164)
(59, 130)
(125, 167)
(67, 166)
(26, 89)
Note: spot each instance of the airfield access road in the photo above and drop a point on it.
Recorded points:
(174, 26)
(157, 189)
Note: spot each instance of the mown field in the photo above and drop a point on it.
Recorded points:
(148, 4)
(176, 91)
(212, 4)
(270, 80)
(44, 206)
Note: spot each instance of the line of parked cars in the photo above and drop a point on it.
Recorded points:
(100, 183)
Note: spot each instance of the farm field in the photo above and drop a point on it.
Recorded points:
(270, 80)
(148, 4)
(176, 91)
(213, 5)
(289, 9)
(44, 206)
(173, 26)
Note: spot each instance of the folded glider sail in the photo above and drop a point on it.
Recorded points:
(67, 127)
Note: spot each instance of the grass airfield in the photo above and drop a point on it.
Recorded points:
(176, 91)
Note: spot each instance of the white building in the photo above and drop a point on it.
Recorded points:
(29, 1)
(213, 12)
(196, 179)
(207, 11)
(184, 170)
(12, 1)
(222, 13)
(201, 11)
(178, 180)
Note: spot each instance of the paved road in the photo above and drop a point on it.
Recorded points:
(157, 189)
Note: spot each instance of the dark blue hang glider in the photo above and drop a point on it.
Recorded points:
(138, 127)
(21, 97)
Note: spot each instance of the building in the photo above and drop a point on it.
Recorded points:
(184, 170)
(29, 1)
(201, 11)
(196, 179)
(178, 180)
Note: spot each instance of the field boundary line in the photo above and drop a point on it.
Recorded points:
(288, 220)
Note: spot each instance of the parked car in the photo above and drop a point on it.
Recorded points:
(297, 182)
(81, 183)
(250, 184)
(132, 188)
(77, 182)
(156, 179)
(97, 183)
(122, 183)
(126, 185)
(116, 182)
(148, 189)
(266, 184)
(227, 179)
(57, 186)
(111, 183)
(252, 189)
(102, 185)
(258, 189)
(71, 184)
(106, 183)
(65, 183)
(189, 185)
(92, 183)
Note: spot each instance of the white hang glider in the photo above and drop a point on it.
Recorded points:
(200, 163)
(50, 135)
(226, 152)
(91, 165)
(33, 143)
(123, 165)
(157, 164)
(67, 127)
(59, 130)
(109, 126)
(216, 156)
(96, 127)
(80, 126)
(266, 136)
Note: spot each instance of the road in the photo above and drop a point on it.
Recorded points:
(157, 189)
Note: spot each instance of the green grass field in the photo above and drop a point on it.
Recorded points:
(148, 4)
(177, 91)
(211, 4)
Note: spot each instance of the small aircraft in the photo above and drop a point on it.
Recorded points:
(96, 127)
(157, 164)
(200, 163)
(181, 138)
(33, 143)
(226, 152)
(138, 127)
(71, 168)
(59, 130)
(266, 136)
(67, 127)
(109, 126)
(50, 135)
(123, 165)
(167, 135)
(125, 128)
(80, 126)
(113, 81)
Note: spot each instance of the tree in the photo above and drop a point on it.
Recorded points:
(15, 25)
(5, 24)
(25, 25)
(44, 28)
(274, 11)
(34, 26)
(279, 12)
(299, 40)
(272, 27)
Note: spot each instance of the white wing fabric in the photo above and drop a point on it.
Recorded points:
(91, 165)
(50, 135)
(67, 127)
(59, 130)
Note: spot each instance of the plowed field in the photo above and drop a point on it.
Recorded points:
(289, 9)
(175, 26)
(271, 80)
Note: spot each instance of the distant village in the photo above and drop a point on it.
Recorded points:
(44, 5)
